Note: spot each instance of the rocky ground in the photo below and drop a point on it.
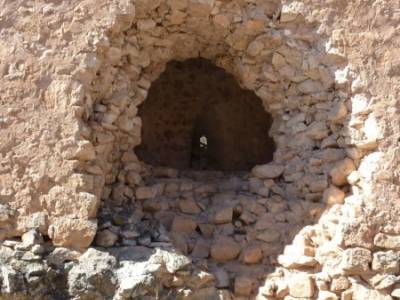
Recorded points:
(207, 235)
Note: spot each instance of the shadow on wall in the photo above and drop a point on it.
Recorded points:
(197, 116)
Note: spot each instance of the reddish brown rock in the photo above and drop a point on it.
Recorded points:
(224, 249)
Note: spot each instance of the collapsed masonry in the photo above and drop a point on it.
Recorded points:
(285, 226)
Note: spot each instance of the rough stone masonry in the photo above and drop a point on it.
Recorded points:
(83, 217)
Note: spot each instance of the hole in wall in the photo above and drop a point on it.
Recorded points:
(196, 116)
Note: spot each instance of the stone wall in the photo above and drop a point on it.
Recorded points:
(75, 73)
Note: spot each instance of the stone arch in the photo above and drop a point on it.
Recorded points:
(302, 84)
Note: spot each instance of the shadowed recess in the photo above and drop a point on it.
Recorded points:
(197, 116)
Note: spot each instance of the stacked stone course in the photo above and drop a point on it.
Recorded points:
(295, 228)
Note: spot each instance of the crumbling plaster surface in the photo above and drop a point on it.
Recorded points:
(49, 177)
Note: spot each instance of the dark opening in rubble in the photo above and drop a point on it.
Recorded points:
(197, 117)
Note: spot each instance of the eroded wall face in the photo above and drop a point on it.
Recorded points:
(195, 99)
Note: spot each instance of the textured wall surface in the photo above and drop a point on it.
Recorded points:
(73, 74)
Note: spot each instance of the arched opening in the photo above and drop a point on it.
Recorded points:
(196, 116)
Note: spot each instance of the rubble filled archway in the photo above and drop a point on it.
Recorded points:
(192, 100)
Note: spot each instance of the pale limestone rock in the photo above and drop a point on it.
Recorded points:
(333, 195)
(325, 295)
(224, 249)
(252, 254)
(268, 171)
(386, 261)
(291, 11)
(347, 295)
(73, 232)
(244, 285)
(356, 260)
(396, 293)
(31, 238)
(301, 286)
(387, 241)
(294, 262)
(282, 288)
(223, 215)
(383, 281)
(360, 104)
(183, 225)
(60, 255)
(106, 238)
(339, 284)
(341, 170)
(363, 292)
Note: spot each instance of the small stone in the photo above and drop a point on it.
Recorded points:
(294, 262)
(207, 230)
(31, 238)
(317, 130)
(339, 284)
(130, 234)
(200, 279)
(189, 206)
(333, 195)
(386, 262)
(383, 281)
(60, 255)
(325, 295)
(148, 192)
(146, 24)
(244, 285)
(396, 293)
(387, 241)
(301, 286)
(183, 225)
(225, 249)
(356, 261)
(282, 288)
(337, 112)
(201, 249)
(347, 295)
(278, 60)
(38, 249)
(269, 235)
(106, 238)
(252, 254)
(120, 219)
(151, 205)
(268, 171)
(222, 278)
(341, 170)
(223, 215)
